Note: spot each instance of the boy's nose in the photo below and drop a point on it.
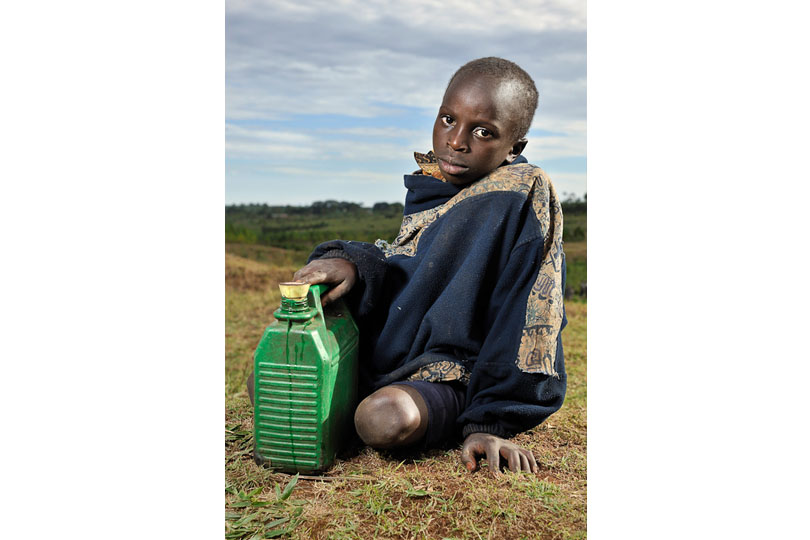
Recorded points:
(457, 141)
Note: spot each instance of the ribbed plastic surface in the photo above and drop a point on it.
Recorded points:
(287, 416)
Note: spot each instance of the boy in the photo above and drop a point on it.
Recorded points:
(460, 317)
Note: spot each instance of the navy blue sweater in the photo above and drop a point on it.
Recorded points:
(471, 290)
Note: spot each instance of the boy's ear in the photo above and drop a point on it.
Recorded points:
(516, 150)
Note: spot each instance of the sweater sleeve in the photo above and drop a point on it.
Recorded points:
(514, 387)
(371, 269)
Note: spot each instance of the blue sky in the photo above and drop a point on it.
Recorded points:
(329, 99)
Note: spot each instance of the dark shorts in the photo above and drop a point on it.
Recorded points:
(445, 402)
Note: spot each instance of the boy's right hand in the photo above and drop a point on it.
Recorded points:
(339, 272)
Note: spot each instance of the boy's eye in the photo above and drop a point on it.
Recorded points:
(447, 120)
(482, 132)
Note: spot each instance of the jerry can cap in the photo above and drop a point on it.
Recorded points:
(299, 301)
(294, 290)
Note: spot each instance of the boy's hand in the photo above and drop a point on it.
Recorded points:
(340, 272)
(479, 444)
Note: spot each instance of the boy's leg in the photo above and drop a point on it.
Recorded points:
(409, 412)
(394, 415)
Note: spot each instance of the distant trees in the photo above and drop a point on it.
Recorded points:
(574, 212)
(388, 209)
(239, 234)
(380, 207)
(301, 227)
(573, 234)
(571, 204)
(325, 207)
(319, 208)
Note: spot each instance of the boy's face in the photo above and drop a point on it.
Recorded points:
(474, 130)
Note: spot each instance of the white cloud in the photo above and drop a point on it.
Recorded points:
(243, 142)
(538, 16)
(356, 175)
(568, 183)
(349, 57)
(366, 59)
(235, 131)
(383, 132)
(320, 145)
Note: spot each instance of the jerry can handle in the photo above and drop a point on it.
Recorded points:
(316, 291)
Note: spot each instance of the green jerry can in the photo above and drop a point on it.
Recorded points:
(305, 382)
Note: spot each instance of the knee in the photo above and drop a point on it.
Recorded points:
(387, 418)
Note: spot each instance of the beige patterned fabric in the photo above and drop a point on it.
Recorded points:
(544, 308)
(444, 370)
(429, 165)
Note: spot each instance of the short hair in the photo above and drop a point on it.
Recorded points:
(506, 72)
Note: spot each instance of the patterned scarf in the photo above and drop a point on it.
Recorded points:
(429, 164)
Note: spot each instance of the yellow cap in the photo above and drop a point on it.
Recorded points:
(295, 290)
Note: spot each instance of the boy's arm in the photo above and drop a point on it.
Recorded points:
(518, 378)
(369, 264)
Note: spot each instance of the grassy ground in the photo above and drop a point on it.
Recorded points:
(576, 262)
(369, 494)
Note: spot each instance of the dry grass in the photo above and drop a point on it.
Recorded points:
(369, 494)
(576, 250)
(251, 297)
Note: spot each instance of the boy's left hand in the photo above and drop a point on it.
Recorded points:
(338, 272)
(480, 444)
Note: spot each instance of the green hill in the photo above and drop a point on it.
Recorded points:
(300, 228)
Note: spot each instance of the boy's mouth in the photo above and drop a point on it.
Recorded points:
(451, 167)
